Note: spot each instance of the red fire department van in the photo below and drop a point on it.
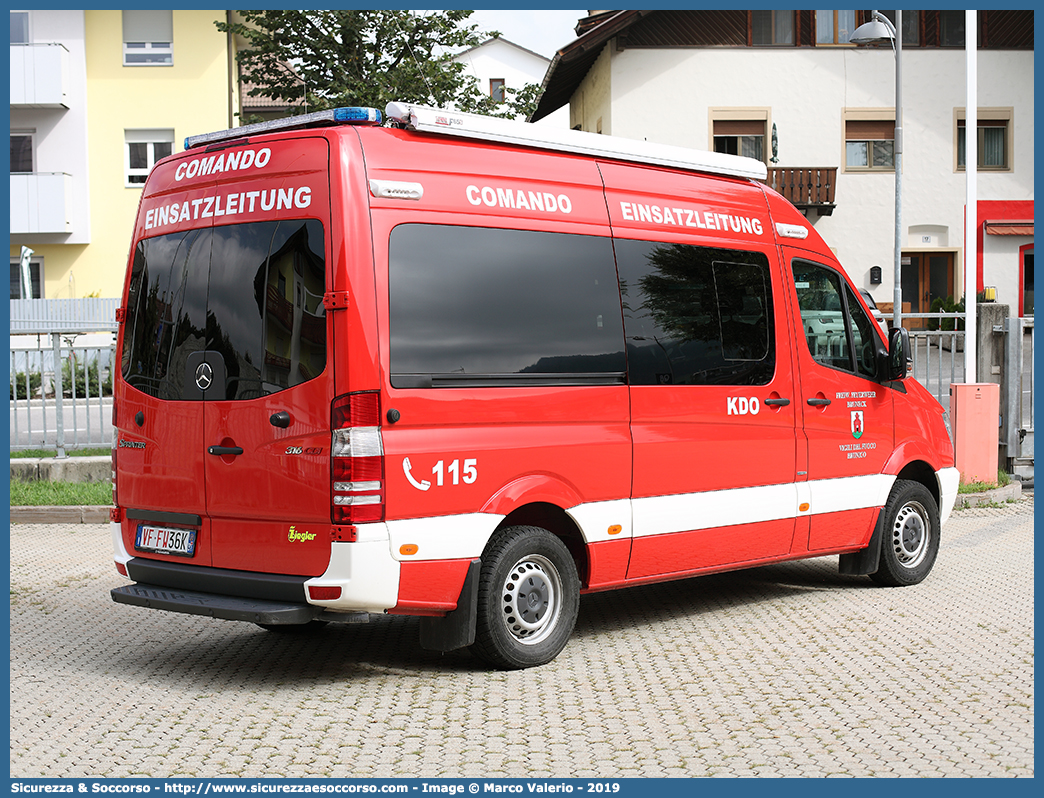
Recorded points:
(470, 369)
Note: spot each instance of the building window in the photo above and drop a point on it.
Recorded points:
(21, 152)
(148, 38)
(951, 28)
(870, 145)
(35, 268)
(19, 27)
(772, 27)
(496, 89)
(834, 27)
(993, 142)
(142, 149)
(740, 137)
(911, 26)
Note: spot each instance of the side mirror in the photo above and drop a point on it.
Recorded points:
(898, 354)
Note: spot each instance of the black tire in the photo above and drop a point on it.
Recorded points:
(529, 596)
(909, 531)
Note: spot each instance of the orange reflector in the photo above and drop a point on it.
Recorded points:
(615, 529)
(408, 549)
(803, 507)
(121, 568)
(321, 593)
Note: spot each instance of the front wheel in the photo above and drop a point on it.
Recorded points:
(909, 535)
(529, 597)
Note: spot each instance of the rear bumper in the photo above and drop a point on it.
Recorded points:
(364, 570)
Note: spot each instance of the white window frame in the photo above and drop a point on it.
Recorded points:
(149, 137)
(159, 53)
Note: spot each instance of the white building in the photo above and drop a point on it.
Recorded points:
(734, 81)
(499, 63)
(50, 201)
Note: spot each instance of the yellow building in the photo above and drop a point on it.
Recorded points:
(96, 98)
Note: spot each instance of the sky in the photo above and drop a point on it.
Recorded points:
(543, 31)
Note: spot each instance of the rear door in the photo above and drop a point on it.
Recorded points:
(225, 355)
(266, 431)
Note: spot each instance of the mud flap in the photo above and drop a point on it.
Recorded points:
(865, 561)
(456, 629)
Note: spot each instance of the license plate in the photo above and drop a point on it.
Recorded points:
(162, 540)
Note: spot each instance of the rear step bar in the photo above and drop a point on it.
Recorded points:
(232, 608)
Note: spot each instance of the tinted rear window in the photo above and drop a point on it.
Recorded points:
(248, 295)
(479, 306)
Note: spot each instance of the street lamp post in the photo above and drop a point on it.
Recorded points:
(877, 31)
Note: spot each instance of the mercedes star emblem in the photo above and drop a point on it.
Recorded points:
(204, 376)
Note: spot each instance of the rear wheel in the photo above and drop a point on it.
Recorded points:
(909, 535)
(529, 596)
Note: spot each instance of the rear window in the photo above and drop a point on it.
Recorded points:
(479, 306)
(247, 299)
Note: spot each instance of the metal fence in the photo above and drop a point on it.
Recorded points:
(62, 360)
(71, 406)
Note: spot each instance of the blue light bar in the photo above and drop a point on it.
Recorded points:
(332, 116)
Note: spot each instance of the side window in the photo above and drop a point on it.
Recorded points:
(696, 315)
(838, 331)
(472, 306)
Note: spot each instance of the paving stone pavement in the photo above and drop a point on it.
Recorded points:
(786, 670)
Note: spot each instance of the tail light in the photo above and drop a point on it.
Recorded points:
(356, 459)
(115, 438)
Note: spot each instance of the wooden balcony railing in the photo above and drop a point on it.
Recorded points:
(806, 186)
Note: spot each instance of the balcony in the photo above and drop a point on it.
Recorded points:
(39, 75)
(807, 187)
(38, 203)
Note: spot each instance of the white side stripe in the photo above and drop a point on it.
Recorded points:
(463, 536)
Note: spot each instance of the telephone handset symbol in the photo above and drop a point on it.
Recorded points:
(422, 485)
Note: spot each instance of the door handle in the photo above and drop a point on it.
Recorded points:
(221, 450)
(818, 402)
(777, 402)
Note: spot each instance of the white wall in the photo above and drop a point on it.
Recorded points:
(499, 58)
(664, 95)
(61, 134)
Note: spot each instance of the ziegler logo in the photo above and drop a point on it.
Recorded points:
(293, 535)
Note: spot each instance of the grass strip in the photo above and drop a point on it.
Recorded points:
(27, 453)
(62, 494)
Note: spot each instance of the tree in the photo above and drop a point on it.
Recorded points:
(367, 58)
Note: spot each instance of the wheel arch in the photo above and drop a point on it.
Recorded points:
(913, 460)
(920, 471)
(559, 523)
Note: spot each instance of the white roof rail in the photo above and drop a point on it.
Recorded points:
(455, 123)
